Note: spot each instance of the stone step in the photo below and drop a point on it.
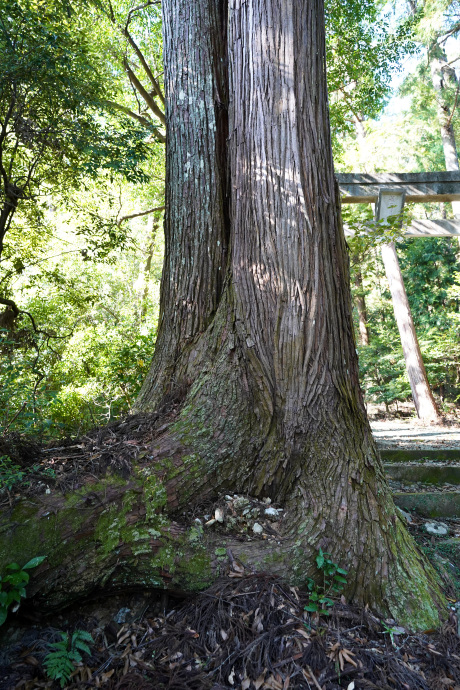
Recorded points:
(428, 504)
(419, 454)
(425, 473)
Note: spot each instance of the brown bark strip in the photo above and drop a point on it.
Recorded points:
(196, 224)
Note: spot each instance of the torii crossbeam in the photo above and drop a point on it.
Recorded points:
(418, 188)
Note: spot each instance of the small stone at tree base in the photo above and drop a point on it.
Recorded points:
(438, 529)
(405, 515)
(122, 615)
(257, 529)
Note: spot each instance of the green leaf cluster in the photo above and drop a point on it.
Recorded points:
(332, 582)
(12, 474)
(12, 586)
(66, 654)
(56, 130)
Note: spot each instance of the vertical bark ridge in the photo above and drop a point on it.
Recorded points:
(288, 262)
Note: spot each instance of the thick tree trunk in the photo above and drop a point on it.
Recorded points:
(196, 217)
(256, 341)
(421, 392)
(273, 404)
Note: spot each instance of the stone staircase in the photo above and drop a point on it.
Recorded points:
(425, 481)
(424, 476)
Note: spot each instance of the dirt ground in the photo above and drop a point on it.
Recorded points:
(402, 429)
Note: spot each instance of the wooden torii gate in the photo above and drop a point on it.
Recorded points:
(418, 188)
(389, 192)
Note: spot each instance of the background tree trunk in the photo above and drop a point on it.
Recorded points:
(443, 76)
(421, 392)
(360, 300)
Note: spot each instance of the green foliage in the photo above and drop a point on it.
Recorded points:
(12, 586)
(363, 51)
(332, 583)
(392, 630)
(56, 129)
(66, 654)
(11, 474)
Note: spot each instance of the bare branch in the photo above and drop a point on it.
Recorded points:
(139, 118)
(148, 71)
(141, 7)
(17, 311)
(12, 305)
(142, 213)
(449, 122)
(144, 93)
(453, 30)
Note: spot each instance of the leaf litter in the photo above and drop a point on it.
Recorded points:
(248, 633)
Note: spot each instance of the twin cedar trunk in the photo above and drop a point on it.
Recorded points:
(255, 339)
(255, 325)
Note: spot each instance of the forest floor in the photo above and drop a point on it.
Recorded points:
(245, 633)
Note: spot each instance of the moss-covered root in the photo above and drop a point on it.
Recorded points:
(110, 535)
(116, 534)
(412, 593)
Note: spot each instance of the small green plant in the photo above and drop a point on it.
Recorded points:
(12, 586)
(67, 653)
(392, 630)
(10, 474)
(320, 600)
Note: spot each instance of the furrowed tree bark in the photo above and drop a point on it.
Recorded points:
(273, 404)
(196, 217)
(256, 333)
